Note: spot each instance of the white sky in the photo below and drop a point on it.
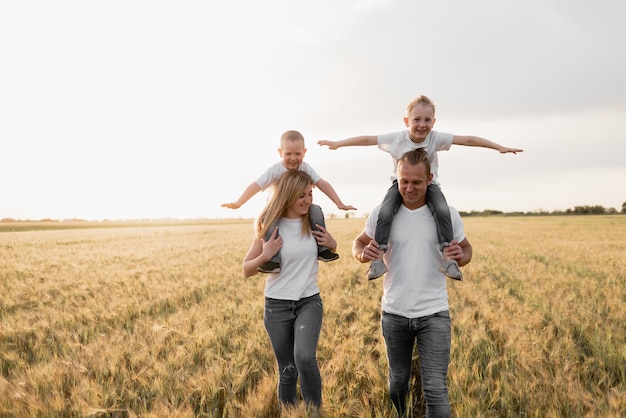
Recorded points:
(152, 109)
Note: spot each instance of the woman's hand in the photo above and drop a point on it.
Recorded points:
(324, 238)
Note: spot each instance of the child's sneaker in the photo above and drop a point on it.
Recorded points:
(452, 270)
(269, 267)
(377, 269)
(327, 255)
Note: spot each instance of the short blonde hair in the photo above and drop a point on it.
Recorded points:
(291, 136)
(421, 99)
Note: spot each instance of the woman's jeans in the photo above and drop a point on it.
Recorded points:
(433, 337)
(435, 200)
(294, 329)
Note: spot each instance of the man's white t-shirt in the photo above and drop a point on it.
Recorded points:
(414, 286)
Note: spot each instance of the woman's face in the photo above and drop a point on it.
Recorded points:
(301, 206)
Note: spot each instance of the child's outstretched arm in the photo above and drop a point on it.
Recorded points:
(250, 191)
(354, 141)
(476, 141)
(329, 191)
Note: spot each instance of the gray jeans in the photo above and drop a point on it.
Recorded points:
(294, 330)
(433, 336)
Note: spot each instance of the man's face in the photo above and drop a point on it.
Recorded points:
(412, 184)
(420, 121)
(292, 154)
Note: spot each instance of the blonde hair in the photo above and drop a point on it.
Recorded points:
(421, 99)
(291, 136)
(287, 190)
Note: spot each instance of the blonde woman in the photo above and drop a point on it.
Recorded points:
(293, 306)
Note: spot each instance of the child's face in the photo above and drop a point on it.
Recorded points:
(292, 154)
(420, 121)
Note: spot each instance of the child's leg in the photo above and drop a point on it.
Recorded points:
(268, 235)
(436, 201)
(388, 209)
(316, 217)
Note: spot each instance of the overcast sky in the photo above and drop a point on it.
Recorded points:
(151, 109)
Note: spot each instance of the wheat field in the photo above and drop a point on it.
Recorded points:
(157, 320)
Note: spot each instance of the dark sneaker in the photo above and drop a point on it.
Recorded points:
(452, 270)
(327, 255)
(269, 267)
(377, 269)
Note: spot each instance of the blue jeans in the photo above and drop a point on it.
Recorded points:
(433, 337)
(316, 217)
(435, 200)
(294, 330)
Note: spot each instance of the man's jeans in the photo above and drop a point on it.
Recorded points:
(433, 337)
(294, 330)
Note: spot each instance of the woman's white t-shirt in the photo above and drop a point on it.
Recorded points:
(297, 278)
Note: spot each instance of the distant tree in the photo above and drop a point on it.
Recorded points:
(624, 207)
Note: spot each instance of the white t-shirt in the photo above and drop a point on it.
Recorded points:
(273, 173)
(398, 143)
(298, 264)
(414, 286)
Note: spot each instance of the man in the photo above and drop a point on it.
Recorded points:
(415, 300)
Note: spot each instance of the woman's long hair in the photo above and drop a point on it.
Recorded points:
(287, 190)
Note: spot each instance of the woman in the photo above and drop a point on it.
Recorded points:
(293, 307)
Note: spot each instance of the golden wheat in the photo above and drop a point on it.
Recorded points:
(157, 320)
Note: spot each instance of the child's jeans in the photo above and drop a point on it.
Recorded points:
(316, 217)
(435, 200)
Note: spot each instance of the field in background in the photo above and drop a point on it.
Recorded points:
(157, 320)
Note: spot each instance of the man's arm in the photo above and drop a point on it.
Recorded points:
(476, 141)
(363, 140)
(365, 249)
(329, 191)
(250, 191)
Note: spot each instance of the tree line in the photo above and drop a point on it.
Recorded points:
(577, 210)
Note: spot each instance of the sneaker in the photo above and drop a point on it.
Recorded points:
(377, 269)
(327, 255)
(269, 267)
(451, 269)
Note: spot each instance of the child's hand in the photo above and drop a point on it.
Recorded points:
(504, 150)
(346, 207)
(233, 205)
(329, 144)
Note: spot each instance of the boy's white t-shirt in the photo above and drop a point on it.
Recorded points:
(297, 278)
(398, 143)
(272, 174)
(414, 286)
